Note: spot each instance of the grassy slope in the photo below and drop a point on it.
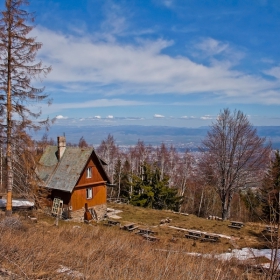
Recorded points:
(249, 236)
(37, 250)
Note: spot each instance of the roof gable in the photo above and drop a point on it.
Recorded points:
(64, 174)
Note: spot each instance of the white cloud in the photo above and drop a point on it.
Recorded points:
(115, 22)
(207, 117)
(97, 117)
(274, 72)
(217, 53)
(211, 46)
(79, 63)
(158, 116)
(110, 117)
(60, 117)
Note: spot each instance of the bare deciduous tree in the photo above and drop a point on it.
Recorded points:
(162, 157)
(17, 68)
(108, 151)
(233, 156)
(83, 143)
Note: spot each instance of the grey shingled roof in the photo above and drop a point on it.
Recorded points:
(63, 175)
(47, 163)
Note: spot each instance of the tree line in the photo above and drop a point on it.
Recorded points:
(234, 169)
(231, 171)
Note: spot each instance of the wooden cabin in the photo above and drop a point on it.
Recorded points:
(76, 176)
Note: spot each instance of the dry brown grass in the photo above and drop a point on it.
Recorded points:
(40, 251)
(249, 236)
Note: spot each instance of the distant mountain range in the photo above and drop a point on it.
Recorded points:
(127, 135)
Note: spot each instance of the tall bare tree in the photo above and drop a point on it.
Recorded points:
(233, 156)
(163, 159)
(18, 67)
(108, 151)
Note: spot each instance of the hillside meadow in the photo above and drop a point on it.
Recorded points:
(75, 250)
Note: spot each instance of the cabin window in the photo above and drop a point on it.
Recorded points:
(89, 193)
(89, 172)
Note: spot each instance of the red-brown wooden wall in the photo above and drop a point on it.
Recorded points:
(96, 182)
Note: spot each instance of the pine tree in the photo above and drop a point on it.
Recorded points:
(17, 68)
(152, 191)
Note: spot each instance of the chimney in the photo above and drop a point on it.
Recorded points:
(61, 146)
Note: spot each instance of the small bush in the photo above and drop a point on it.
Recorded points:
(12, 223)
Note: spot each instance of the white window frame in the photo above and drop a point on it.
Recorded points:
(89, 193)
(89, 172)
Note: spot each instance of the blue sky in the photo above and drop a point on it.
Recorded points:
(160, 62)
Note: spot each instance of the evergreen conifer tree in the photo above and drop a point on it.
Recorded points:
(149, 190)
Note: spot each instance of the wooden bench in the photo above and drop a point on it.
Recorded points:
(129, 227)
(234, 226)
(132, 228)
(193, 234)
(145, 231)
(112, 223)
(210, 238)
(271, 229)
(150, 237)
(237, 225)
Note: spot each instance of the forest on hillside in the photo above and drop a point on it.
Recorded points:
(146, 168)
(230, 176)
(233, 175)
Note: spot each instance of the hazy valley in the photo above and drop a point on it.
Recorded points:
(127, 135)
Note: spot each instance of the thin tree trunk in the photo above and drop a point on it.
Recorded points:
(119, 183)
(1, 169)
(9, 128)
(226, 207)
(111, 194)
(201, 199)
